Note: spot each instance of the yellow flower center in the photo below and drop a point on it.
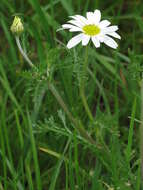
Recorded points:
(91, 30)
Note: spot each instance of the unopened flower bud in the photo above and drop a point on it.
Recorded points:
(17, 26)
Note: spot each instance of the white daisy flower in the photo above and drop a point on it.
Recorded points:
(92, 28)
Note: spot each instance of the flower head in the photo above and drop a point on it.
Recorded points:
(92, 28)
(17, 26)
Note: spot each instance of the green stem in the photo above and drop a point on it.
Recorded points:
(35, 154)
(78, 125)
(22, 52)
(82, 83)
(51, 87)
(141, 131)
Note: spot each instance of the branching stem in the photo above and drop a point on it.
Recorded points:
(78, 125)
(59, 99)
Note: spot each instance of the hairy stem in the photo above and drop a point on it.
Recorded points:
(22, 52)
(82, 86)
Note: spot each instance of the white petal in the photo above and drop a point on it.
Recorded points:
(100, 38)
(97, 16)
(104, 23)
(85, 40)
(80, 19)
(74, 41)
(96, 42)
(115, 35)
(76, 23)
(67, 26)
(71, 28)
(111, 29)
(75, 29)
(90, 17)
(110, 42)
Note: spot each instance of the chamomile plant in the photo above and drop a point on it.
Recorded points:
(91, 27)
(35, 73)
(98, 31)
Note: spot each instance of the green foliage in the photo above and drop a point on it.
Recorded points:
(40, 148)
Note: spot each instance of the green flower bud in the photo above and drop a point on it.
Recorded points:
(17, 26)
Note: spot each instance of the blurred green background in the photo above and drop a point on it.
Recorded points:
(39, 146)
